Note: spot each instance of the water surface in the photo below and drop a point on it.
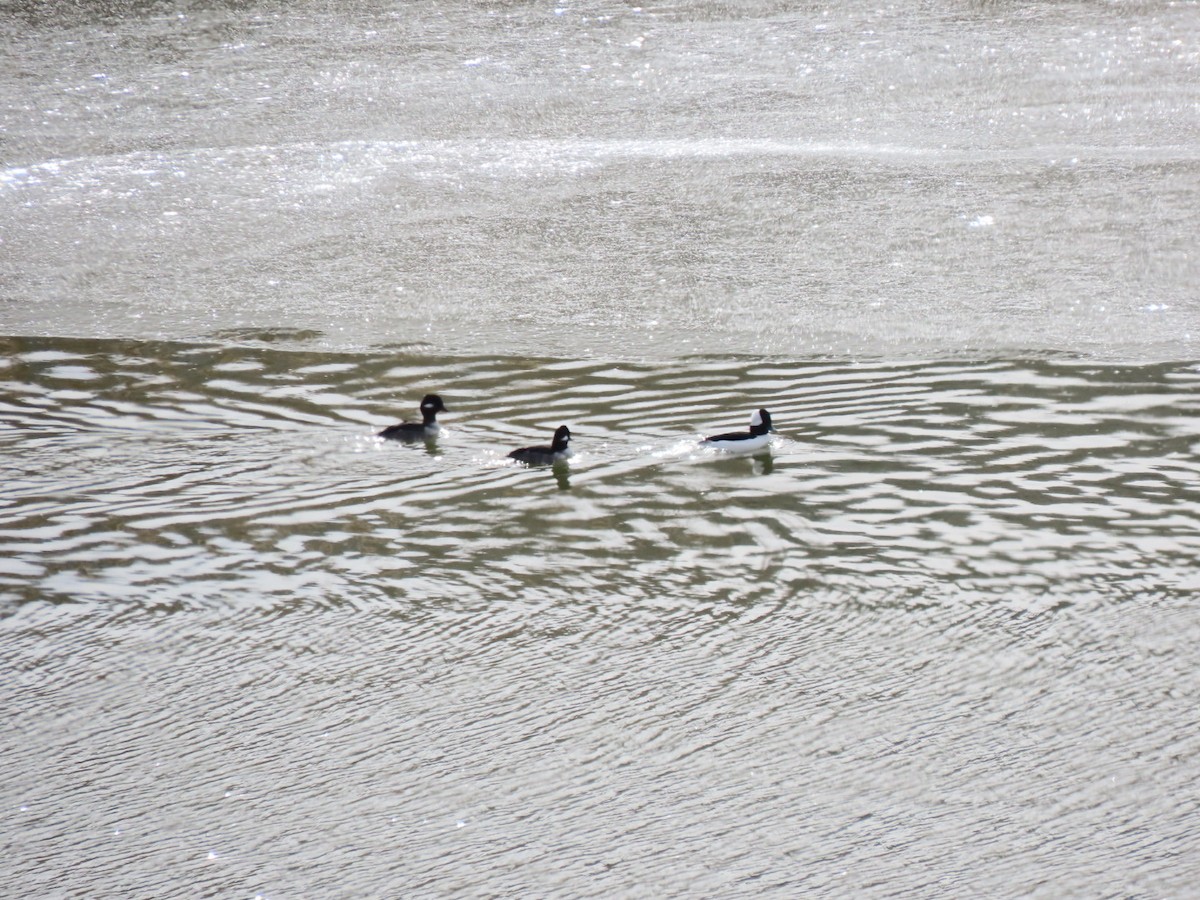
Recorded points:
(950, 616)
(940, 641)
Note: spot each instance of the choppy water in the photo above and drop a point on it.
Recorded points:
(941, 641)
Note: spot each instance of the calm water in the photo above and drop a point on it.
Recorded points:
(941, 640)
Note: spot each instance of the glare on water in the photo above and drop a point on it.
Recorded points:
(940, 639)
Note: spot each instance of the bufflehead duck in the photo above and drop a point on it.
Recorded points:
(756, 438)
(415, 431)
(541, 456)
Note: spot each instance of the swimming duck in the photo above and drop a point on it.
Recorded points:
(415, 431)
(541, 456)
(756, 438)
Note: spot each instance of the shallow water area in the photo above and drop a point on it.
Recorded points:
(940, 640)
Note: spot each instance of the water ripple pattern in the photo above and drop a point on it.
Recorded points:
(1019, 479)
(255, 649)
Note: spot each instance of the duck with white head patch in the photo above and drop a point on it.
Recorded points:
(559, 449)
(756, 438)
(431, 405)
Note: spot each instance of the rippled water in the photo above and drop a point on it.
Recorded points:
(1024, 478)
(950, 617)
(940, 641)
(570, 180)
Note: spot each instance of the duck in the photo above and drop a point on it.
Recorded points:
(431, 405)
(756, 438)
(559, 449)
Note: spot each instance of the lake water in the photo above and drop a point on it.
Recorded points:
(940, 641)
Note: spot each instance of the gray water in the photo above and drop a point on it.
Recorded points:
(940, 641)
